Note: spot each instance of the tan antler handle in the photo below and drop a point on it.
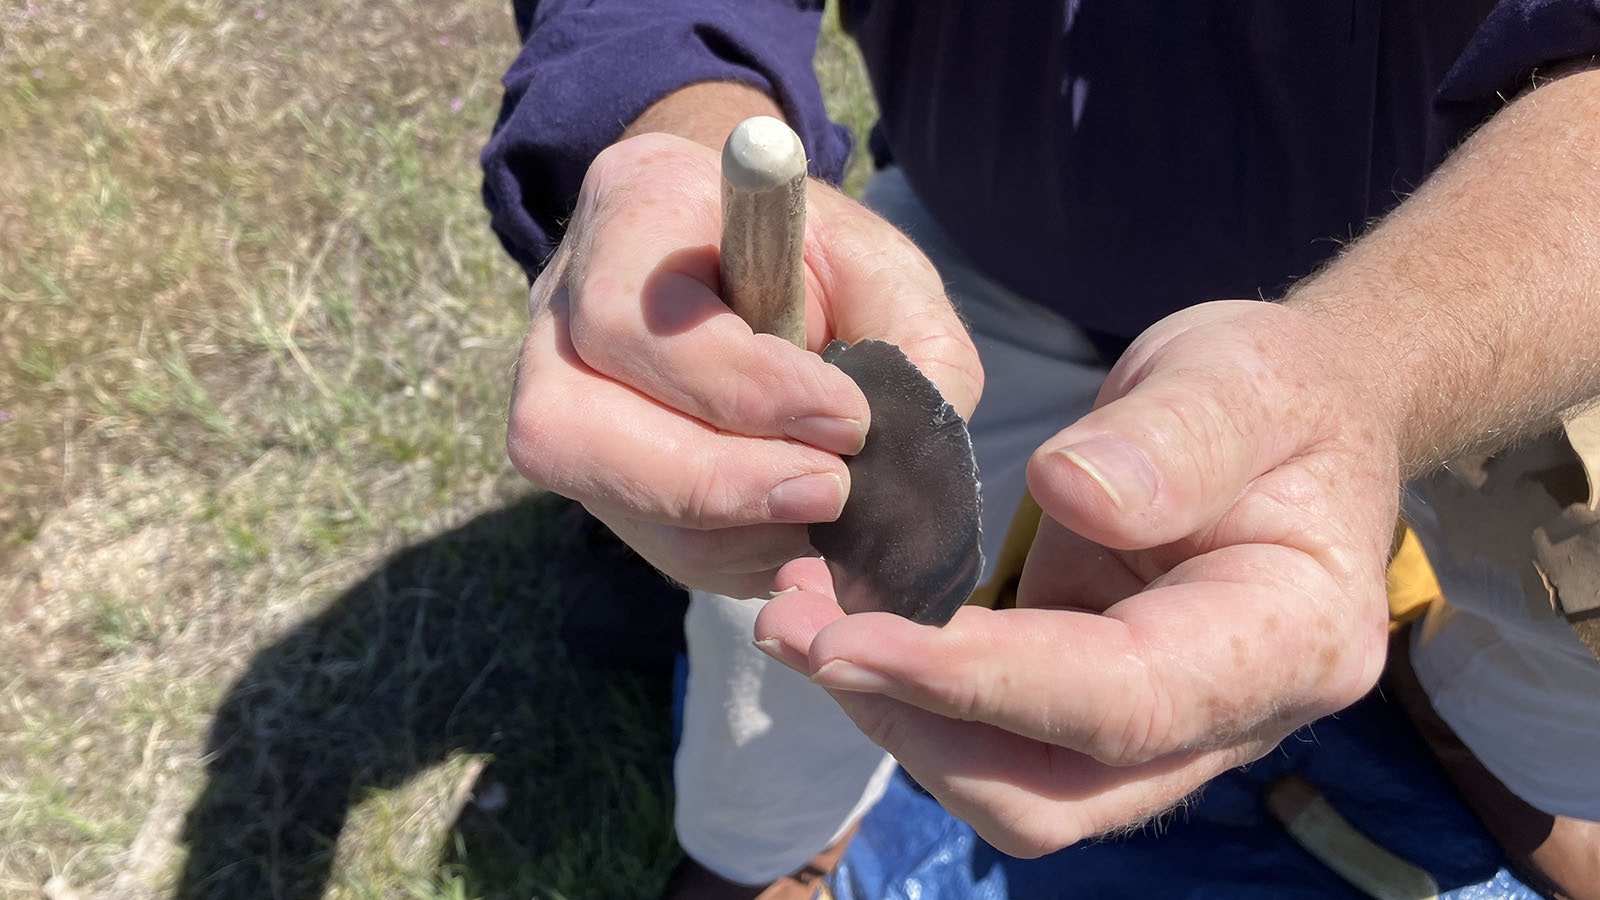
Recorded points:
(763, 227)
(1329, 836)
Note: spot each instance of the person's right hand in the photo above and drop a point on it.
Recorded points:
(640, 394)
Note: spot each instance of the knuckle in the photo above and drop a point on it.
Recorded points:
(1201, 426)
(950, 360)
(743, 404)
(650, 170)
(606, 183)
(528, 441)
(1119, 744)
(941, 346)
(1135, 732)
(1355, 662)
(882, 721)
(598, 324)
(970, 696)
(707, 500)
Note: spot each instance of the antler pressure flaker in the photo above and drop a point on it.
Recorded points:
(763, 226)
(908, 540)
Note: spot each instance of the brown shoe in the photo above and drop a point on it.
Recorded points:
(692, 881)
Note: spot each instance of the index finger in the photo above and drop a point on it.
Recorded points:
(1227, 646)
(873, 283)
(646, 311)
(642, 280)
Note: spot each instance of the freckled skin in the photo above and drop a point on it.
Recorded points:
(1241, 651)
(1327, 661)
(1281, 435)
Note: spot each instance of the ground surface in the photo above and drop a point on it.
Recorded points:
(276, 618)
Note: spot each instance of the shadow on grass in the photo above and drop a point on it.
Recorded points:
(452, 646)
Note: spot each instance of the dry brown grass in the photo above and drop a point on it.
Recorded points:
(198, 193)
(253, 336)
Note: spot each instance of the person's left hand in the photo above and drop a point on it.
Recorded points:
(1209, 577)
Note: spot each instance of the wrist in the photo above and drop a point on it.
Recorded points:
(704, 113)
(1469, 307)
(1341, 322)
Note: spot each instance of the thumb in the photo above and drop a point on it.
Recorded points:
(1192, 414)
(873, 282)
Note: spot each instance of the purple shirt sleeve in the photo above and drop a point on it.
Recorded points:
(1516, 40)
(589, 67)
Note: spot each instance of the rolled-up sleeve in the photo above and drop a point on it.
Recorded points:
(589, 67)
(1518, 39)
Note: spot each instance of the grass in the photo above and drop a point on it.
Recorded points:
(279, 620)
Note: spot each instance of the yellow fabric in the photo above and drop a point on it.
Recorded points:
(1412, 587)
(1000, 591)
(1411, 583)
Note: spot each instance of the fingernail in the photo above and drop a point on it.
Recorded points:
(1122, 470)
(831, 433)
(783, 653)
(840, 675)
(818, 497)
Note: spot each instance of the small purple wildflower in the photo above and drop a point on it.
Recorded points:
(33, 8)
(444, 40)
(37, 74)
(456, 104)
(260, 14)
(5, 416)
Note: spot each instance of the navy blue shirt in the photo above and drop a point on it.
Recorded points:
(1112, 161)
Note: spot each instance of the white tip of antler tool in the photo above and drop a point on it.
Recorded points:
(762, 153)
